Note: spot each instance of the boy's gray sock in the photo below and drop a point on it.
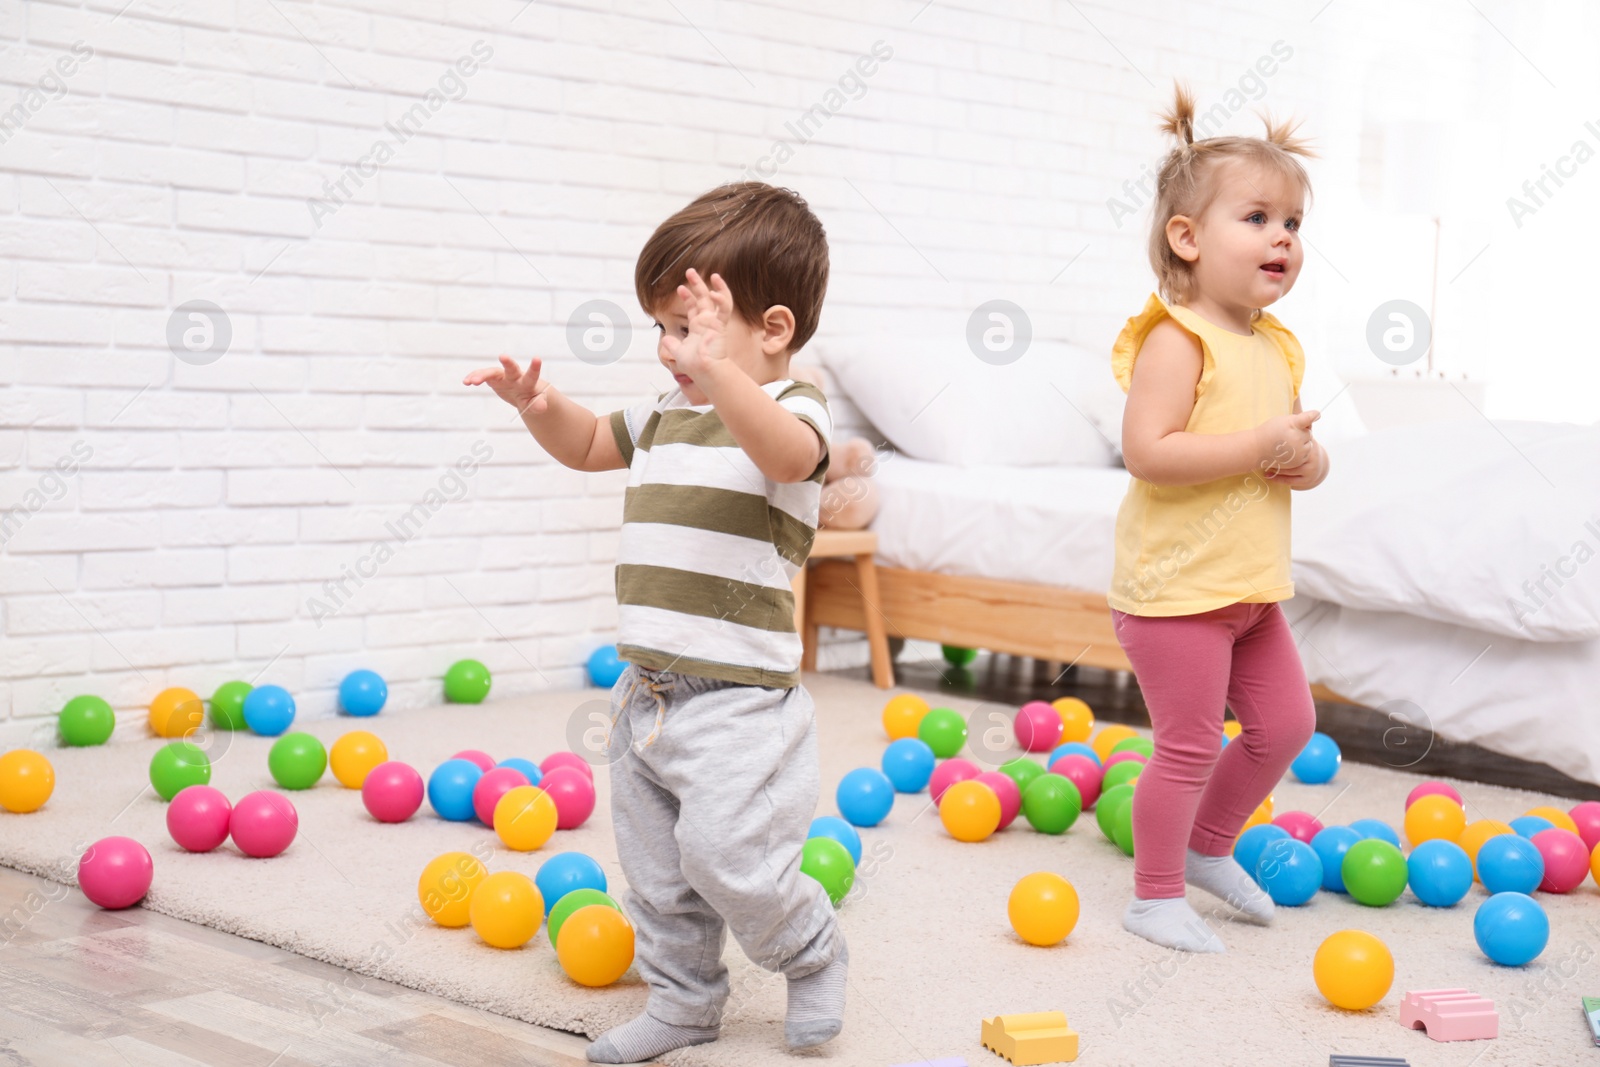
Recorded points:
(816, 1004)
(1221, 876)
(645, 1038)
(1169, 921)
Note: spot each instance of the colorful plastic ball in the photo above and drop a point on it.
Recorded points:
(1022, 771)
(176, 712)
(1082, 772)
(297, 761)
(1594, 863)
(482, 760)
(604, 666)
(268, 710)
(524, 817)
(1374, 873)
(1231, 728)
(1319, 761)
(86, 720)
(1511, 928)
(1476, 833)
(1006, 791)
(1302, 826)
(1107, 739)
(1051, 804)
(1586, 817)
(1139, 746)
(1126, 756)
(363, 693)
(944, 731)
(567, 759)
(450, 789)
(831, 864)
(1557, 817)
(506, 909)
(1108, 810)
(1290, 871)
(227, 705)
(1528, 825)
(1439, 872)
(198, 818)
(908, 764)
(446, 886)
(1043, 908)
(1434, 818)
(1331, 844)
(948, 773)
(970, 811)
(177, 765)
(1120, 773)
(263, 824)
(1078, 748)
(1077, 718)
(563, 909)
(530, 770)
(392, 791)
(1427, 789)
(1376, 829)
(865, 796)
(1510, 863)
(1122, 829)
(841, 831)
(26, 781)
(466, 682)
(566, 871)
(596, 945)
(1260, 817)
(1037, 726)
(573, 793)
(1353, 970)
(957, 656)
(354, 756)
(902, 715)
(490, 788)
(115, 872)
(1249, 846)
(1566, 861)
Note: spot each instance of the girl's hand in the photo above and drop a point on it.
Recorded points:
(522, 390)
(1285, 441)
(1307, 475)
(708, 311)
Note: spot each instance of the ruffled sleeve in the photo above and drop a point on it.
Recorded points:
(1287, 343)
(1126, 349)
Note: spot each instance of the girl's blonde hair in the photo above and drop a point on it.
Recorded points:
(1186, 183)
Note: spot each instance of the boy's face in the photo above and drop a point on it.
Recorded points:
(745, 345)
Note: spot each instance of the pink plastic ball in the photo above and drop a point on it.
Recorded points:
(115, 872)
(1566, 861)
(491, 787)
(948, 774)
(392, 791)
(1427, 789)
(198, 818)
(1587, 816)
(1006, 789)
(484, 761)
(573, 794)
(1302, 826)
(1038, 726)
(263, 824)
(567, 759)
(1084, 773)
(1123, 757)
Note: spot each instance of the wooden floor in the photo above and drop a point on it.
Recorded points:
(86, 987)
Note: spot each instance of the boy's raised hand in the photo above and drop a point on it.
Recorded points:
(522, 390)
(708, 310)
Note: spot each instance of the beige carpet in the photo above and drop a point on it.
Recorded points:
(931, 951)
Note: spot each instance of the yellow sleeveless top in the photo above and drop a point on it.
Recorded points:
(1182, 550)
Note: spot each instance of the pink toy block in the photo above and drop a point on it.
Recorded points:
(1450, 1014)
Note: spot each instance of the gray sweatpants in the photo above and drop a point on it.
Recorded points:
(711, 815)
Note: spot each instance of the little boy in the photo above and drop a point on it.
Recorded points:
(715, 776)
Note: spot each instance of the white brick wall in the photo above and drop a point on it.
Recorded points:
(217, 500)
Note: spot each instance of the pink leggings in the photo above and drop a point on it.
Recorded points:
(1188, 666)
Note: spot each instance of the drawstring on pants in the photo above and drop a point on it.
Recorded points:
(656, 687)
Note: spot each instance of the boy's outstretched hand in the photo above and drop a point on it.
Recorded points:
(708, 310)
(522, 390)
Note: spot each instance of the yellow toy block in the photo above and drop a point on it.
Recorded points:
(1031, 1038)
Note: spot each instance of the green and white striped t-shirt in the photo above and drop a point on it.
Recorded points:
(709, 544)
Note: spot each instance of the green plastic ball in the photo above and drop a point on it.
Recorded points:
(1118, 773)
(830, 863)
(571, 902)
(1051, 803)
(1106, 808)
(466, 682)
(1122, 828)
(957, 656)
(1141, 745)
(227, 705)
(1021, 770)
(297, 761)
(86, 720)
(176, 766)
(1374, 872)
(944, 731)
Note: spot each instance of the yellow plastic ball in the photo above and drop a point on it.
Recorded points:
(902, 715)
(176, 712)
(1434, 817)
(1232, 728)
(506, 909)
(596, 945)
(970, 811)
(1107, 738)
(354, 755)
(446, 886)
(1043, 908)
(1476, 833)
(525, 817)
(1262, 814)
(1556, 816)
(1353, 969)
(1077, 719)
(1594, 863)
(26, 781)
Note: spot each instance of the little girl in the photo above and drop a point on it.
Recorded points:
(1214, 439)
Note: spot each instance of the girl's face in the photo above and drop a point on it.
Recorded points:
(1245, 247)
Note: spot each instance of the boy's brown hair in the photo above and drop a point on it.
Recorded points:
(763, 240)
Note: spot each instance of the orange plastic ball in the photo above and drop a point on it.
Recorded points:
(1556, 816)
(596, 945)
(902, 715)
(1232, 728)
(1594, 863)
(1262, 814)
(1434, 818)
(176, 712)
(1353, 969)
(970, 811)
(1107, 739)
(354, 755)
(446, 886)
(1043, 908)
(1077, 719)
(506, 909)
(26, 781)
(525, 817)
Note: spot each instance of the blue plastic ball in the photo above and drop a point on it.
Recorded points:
(1074, 748)
(1528, 825)
(1513, 865)
(908, 764)
(1440, 873)
(1511, 928)
(268, 710)
(841, 831)
(1330, 845)
(865, 796)
(564, 872)
(1247, 850)
(450, 789)
(1318, 762)
(1376, 828)
(363, 693)
(1289, 870)
(604, 666)
(530, 770)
